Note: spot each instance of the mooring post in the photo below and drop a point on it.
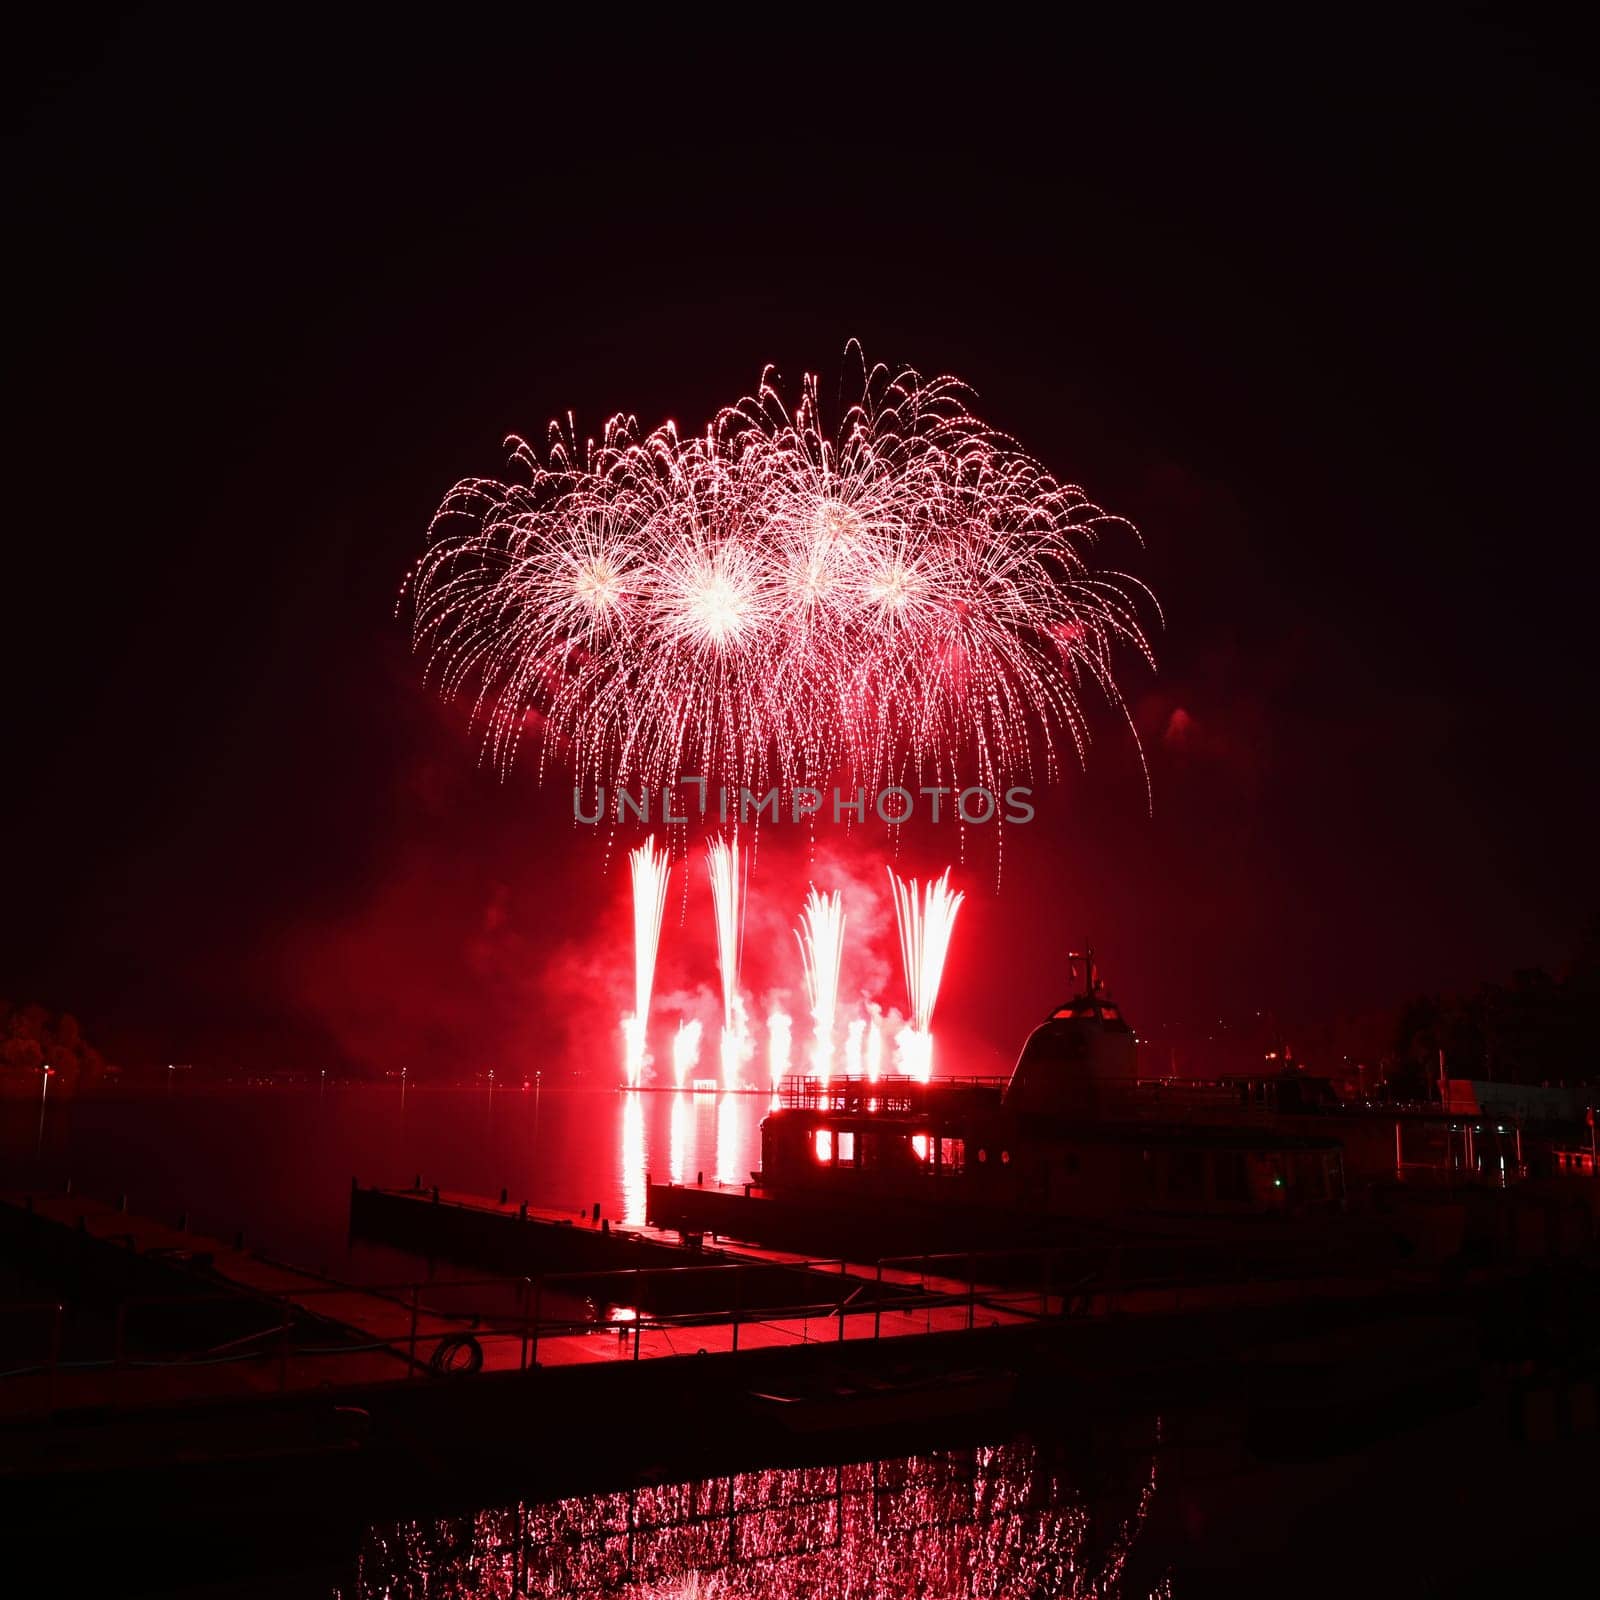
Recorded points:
(842, 1298)
(877, 1304)
(972, 1290)
(738, 1284)
(411, 1346)
(538, 1296)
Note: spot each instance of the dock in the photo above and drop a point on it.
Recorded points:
(179, 1375)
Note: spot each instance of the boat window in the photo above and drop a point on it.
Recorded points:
(919, 1146)
(1110, 1013)
(824, 1144)
(847, 1149)
(952, 1154)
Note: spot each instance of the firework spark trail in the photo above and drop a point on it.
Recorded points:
(874, 1051)
(772, 600)
(779, 1031)
(685, 1051)
(926, 919)
(821, 940)
(852, 1046)
(650, 869)
(727, 897)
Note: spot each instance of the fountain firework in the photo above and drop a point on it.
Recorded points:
(685, 1051)
(852, 1046)
(772, 600)
(821, 941)
(926, 920)
(650, 870)
(727, 898)
(779, 1029)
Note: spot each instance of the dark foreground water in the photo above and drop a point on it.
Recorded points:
(1187, 1502)
(1003, 1520)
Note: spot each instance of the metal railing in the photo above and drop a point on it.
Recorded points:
(894, 1295)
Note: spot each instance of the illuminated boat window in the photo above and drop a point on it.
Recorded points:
(824, 1143)
(847, 1149)
(952, 1154)
(919, 1146)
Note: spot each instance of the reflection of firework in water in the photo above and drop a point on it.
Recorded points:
(772, 600)
(926, 921)
(979, 1523)
(727, 898)
(650, 869)
(821, 940)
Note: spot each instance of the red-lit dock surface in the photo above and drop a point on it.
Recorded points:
(377, 1335)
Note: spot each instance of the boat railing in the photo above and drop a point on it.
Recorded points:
(893, 1092)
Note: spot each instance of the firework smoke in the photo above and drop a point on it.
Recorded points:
(771, 600)
(926, 921)
(821, 940)
(650, 870)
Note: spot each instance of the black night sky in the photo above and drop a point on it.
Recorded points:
(1307, 299)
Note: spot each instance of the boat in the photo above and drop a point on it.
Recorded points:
(1074, 1148)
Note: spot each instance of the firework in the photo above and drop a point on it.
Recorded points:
(874, 1051)
(685, 1051)
(821, 940)
(926, 919)
(727, 898)
(852, 1046)
(774, 599)
(650, 869)
(779, 1030)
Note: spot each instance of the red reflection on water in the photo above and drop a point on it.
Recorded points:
(984, 1523)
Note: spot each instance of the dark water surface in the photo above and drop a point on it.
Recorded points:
(1188, 1502)
(277, 1163)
